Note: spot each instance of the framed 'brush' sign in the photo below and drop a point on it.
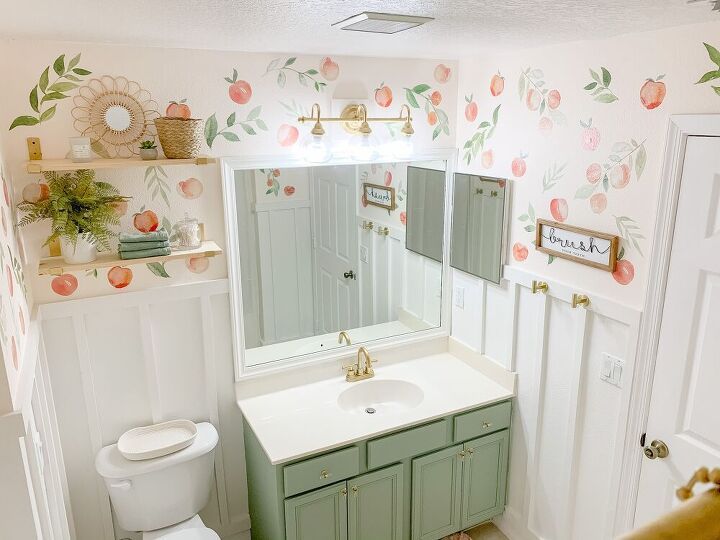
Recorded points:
(382, 196)
(592, 248)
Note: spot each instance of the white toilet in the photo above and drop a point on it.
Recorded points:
(161, 497)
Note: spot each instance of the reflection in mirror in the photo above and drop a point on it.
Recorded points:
(117, 118)
(425, 211)
(478, 231)
(316, 257)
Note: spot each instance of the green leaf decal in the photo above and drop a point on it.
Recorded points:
(62, 86)
(80, 71)
(158, 269)
(230, 136)
(59, 65)
(48, 114)
(211, 127)
(24, 121)
(717, 90)
(259, 123)
(281, 78)
(44, 80)
(410, 97)
(606, 77)
(290, 61)
(420, 88)
(585, 191)
(253, 114)
(74, 62)
(713, 53)
(34, 99)
(231, 120)
(709, 76)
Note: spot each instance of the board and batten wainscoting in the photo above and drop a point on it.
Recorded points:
(564, 479)
(122, 361)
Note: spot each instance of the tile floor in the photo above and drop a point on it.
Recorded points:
(486, 531)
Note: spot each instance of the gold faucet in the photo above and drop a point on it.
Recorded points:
(344, 336)
(356, 372)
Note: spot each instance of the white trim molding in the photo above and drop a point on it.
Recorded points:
(680, 128)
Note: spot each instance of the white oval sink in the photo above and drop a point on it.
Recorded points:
(380, 396)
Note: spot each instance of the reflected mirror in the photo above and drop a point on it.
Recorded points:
(325, 249)
(478, 231)
(118, 118)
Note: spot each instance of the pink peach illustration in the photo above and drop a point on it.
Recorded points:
(545, 125)
(178, 109)
(9, 276)
(442, 73)
(520, 252)
(240, 92)
(436, 98)
(624, 272)
(383, 95)
(363, 200)
(519, 166)
(14, 353)
(197, 265)
(287, 135)
(329, 69)
(471, 109)
(119, 276)
(620, 176)
(559, 209)
(598, 203)
(403, 218)
(590, 136)
(64, 285)
(593, 173)
(432, 118)
(35, 192)
(553, 99)
(190, 188)
(146, 221)
(387, 178)
(533, 99)
(487, 159)
(497, 84)
(276, 172)
(653, 93)
(120, 207)
(289, 191)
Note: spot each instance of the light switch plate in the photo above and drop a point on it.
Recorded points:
(611, 369)
(459, 297)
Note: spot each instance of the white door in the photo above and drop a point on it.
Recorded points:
(684, 407)
(337, 296)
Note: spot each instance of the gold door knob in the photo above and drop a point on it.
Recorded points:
(657, 449)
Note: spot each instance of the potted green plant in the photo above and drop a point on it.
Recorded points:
(82, 210)
(148, 150)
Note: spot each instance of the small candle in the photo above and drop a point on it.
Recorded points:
(80, 150)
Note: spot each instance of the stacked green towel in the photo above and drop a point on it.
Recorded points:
(142, 245)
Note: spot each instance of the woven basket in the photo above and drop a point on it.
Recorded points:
(180, 138)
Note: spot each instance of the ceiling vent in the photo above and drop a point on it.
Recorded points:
(381, 23)
(714, 4)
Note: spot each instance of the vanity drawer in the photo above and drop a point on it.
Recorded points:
(411, 442)
(321, 471)
(482, 422)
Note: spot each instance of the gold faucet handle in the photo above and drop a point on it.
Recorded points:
(352, 368)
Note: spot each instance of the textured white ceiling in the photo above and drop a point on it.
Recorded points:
(462, 27)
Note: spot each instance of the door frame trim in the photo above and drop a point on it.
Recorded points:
(680, 127)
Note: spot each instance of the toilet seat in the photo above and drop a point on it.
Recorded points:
(191, 534)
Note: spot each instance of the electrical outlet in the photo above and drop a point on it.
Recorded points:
(459, 297)
(611, 369)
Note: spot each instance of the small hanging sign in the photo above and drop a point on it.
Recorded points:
(382, 196)
(592, 248)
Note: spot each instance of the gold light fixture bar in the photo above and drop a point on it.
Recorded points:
(360, 115)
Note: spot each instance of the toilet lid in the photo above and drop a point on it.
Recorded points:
(192, 534)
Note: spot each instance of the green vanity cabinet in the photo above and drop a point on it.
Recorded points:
(369, 507)
(418, 483)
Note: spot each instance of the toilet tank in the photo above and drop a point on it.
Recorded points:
(155, 493)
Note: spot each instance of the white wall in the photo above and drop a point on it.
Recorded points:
(123, 361)
(568, 424)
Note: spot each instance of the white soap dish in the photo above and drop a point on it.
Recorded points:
(158, 440)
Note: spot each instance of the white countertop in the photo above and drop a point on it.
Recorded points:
(305, 420)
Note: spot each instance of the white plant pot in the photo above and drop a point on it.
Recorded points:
(80, 253)
(148, 154)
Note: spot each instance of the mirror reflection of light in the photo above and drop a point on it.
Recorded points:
(316, 150)
(365, 149)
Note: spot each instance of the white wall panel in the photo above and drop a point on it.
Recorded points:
(564, 454)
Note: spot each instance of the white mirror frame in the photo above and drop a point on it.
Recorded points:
(228, 167)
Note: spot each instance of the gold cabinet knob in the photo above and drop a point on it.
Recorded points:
(325, 474)
(487, 425)
(343, 491)
(354, 488)
(461, 454)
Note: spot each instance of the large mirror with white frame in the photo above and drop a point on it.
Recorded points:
(320, 250)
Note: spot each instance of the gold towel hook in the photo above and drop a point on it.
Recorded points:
(580, 300)
(539, 286)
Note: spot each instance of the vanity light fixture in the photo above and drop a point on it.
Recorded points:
(365, 149)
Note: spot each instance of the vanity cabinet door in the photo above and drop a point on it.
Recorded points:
(375, 505)
(436, 493)
(318, 515)
(484, 478)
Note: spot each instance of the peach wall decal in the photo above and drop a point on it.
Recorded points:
(713, 75)
(239, 91)
(329, 69)
(273, 184)
(497, 84)
(190, 188)
(471, 109)
(383, 95)
(435, 115)
(519, 165)
(652, 93)
(520, 252)
(305, 78)
(533, 92)
(119, 277)
(590, 137)
(483, 132)
(46, 91)
(559, 209)
(626, 158)
(145, 220)
(487, 159)
(599, 87)
(197, 265)
(64, 285)
(442, 73)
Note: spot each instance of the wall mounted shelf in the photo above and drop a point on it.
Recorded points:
(43, 165)
(56, 265)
